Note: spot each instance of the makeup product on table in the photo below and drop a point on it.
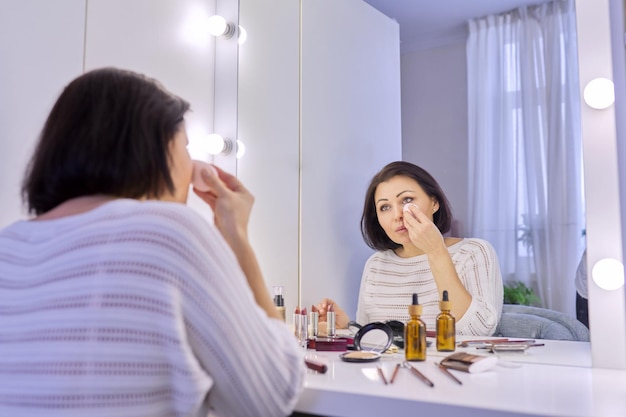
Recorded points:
(382, 374)
(314, 317)
(301, 326)
(467, 362)
(329, 344)
(418, 374)
(395, 372)
(415, 334)
(445, 371)
(330, 319)
(369, 343)
(297, 323)
(279, 300)
(445, 326)
(316, 366)
(304, 328)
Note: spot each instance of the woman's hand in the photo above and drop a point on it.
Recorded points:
(422, 231)
(231, 203)
(341, 318)
(426, 236)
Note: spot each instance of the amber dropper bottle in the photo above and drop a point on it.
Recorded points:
(415, 334)
(446, 329)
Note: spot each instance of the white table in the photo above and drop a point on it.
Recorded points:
(551, 380)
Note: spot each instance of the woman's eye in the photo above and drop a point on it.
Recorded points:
(407, 200)
(383, 208)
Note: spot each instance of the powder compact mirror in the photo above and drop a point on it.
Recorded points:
(370, 341)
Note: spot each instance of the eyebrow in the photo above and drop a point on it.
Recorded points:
(397, 195)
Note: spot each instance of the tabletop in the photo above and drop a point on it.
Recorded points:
(555, 379)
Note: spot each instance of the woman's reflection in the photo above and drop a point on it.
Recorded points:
(405, 216)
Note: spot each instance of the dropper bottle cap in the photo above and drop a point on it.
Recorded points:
(445, 304)
(415, 309)
(279, 300)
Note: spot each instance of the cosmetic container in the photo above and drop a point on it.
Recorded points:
(304, 328)
(279, 300)
(314, 317)
(297, 323)
(415, 333)
(330, 319)
(445, 326)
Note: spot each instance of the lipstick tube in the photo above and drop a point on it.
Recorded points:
(297, 323)
(314, 317)
(304, 328)
(330, 318)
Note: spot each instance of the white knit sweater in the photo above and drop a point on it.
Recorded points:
(389, 281)
(136, 309)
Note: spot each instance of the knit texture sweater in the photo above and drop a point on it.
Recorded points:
(389, 281)
(136, 309)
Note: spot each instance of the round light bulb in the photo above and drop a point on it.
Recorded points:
(599, 93)
(217, 25)
(243, 35)
(241, 149)
(608, 274)
(215, 143)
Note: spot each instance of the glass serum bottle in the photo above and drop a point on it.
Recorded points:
(415, 334)
(446, 326)
(279, 300)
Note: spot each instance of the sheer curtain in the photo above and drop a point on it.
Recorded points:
(525, 151)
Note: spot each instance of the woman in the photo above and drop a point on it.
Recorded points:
(405, 216)
(116, 298)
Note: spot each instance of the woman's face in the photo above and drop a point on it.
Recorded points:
(391, 196)
(181, 167)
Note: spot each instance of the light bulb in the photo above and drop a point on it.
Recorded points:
(599, 93)
(219, 27)
(215, 143)
(243, 35)
(608, 274)
(241, 149)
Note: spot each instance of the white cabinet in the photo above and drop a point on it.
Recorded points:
(319, 106)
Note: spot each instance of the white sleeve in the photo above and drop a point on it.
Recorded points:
(255, 362)
(480, 274)
(581, 277)
(361, 313)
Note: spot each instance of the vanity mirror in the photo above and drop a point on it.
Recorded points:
(307, 170)
(311, 268)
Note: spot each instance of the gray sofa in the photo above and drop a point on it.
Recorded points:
(539, 323)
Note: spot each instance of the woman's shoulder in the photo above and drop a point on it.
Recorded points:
(153, 210)
(169, 220)
(473, 245)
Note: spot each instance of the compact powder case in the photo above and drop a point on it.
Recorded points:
(369, 343)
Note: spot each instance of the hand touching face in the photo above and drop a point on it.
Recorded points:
(390, 199)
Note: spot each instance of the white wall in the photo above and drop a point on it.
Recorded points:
(45, 44)
(434, 120)
(166, 40)
(269, 123)
(351, 128)
(41, 50)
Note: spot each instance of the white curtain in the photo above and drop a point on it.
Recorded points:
(525, 151)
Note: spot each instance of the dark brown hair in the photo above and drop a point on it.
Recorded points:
(108, 133)
(373, 234)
